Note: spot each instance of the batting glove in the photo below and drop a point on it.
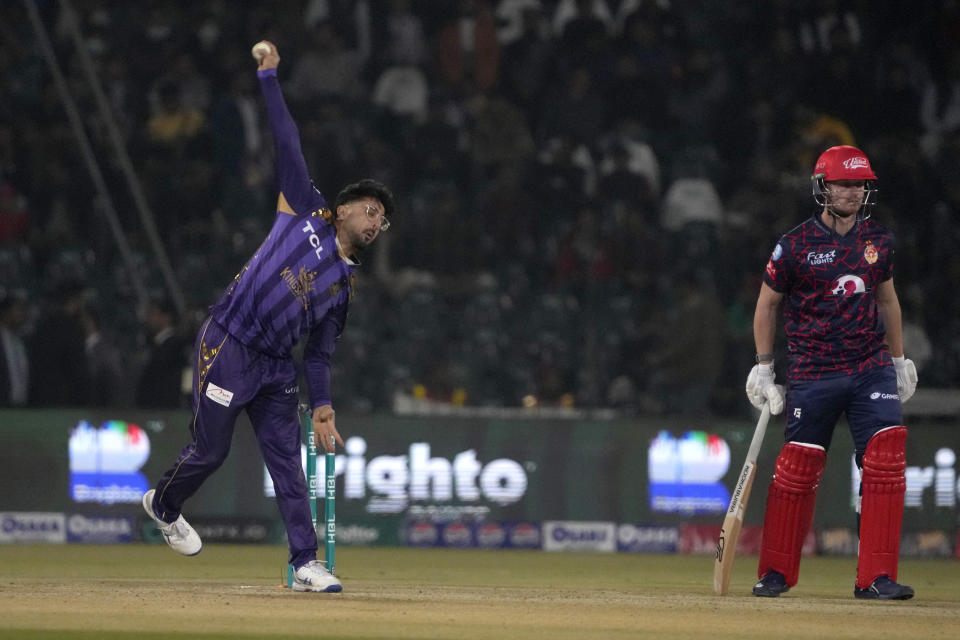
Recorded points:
(761, 388)
(906, 377)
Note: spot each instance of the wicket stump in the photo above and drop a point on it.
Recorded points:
(329, 499)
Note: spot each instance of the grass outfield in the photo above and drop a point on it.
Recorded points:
(228, 591)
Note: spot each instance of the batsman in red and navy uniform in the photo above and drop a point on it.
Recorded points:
(833, 277)
(298, 285)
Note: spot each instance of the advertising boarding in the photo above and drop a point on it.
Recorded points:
(448, 481)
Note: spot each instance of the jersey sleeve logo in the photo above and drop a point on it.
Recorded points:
(847, 286)
(777, 252)
(870, 253)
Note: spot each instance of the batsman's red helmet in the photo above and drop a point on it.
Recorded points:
(843, 163)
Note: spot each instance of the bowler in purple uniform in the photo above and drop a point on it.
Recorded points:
(297, 285)
(833, 276)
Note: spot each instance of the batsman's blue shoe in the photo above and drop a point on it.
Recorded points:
(883, 588)
(771, 585)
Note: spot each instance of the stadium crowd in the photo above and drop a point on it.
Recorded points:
(587, 190)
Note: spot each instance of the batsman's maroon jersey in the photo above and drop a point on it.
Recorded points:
(829, 282)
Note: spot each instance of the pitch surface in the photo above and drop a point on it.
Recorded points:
(228, 591)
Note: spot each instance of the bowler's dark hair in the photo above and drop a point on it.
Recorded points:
(367, 188)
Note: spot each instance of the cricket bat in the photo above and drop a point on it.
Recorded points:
(730, 531)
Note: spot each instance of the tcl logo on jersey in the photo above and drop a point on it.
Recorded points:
(313, 238)
(847, 286)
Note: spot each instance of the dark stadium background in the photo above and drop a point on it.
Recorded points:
(585, 201)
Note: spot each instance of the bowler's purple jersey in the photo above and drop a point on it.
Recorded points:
(297, 283)
(830, 313)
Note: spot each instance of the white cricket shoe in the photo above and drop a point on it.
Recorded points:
(179, 534)
(313, 576)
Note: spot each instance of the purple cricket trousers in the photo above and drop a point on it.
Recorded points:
(228, 378)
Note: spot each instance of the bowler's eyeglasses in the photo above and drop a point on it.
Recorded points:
(373, 213)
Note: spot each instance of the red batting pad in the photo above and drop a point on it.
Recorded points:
(881, 510)
(790, 501)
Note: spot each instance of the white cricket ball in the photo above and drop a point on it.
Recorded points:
(260, 50)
